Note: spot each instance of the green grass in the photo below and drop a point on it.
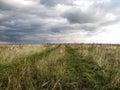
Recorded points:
(62, 67)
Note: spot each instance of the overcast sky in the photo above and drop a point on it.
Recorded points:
(60, 21)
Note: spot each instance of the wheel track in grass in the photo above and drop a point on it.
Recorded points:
(84, 74)
(81, 73)
(32, 58)
(55, 70)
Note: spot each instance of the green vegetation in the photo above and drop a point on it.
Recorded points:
(60, 67)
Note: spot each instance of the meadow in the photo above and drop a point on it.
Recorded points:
(60, 67)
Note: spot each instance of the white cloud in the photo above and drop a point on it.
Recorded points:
(111, 34)
(83, 4)
(1, 16)
(19, 3)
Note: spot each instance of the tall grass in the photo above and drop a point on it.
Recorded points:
(8, 53)
(60, 67)
(107, 58)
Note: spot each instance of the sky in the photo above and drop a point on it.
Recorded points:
(60, 21)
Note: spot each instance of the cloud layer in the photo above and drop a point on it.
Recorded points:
(59, 21)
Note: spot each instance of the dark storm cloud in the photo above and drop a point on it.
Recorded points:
(51, 3)
(9, 36)
(5, 6)
(90, 28)
(76, 15)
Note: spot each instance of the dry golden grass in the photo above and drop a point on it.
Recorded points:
(60, 67)
(8, 53)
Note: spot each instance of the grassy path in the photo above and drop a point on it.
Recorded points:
(80, 73)
(32, 58)
(83, 74)
(20, 74)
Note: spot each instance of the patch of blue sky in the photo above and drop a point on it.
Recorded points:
(115, 3)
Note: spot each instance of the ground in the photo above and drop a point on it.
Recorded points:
(60, 67)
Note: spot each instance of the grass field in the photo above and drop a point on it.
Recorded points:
(60, 67)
